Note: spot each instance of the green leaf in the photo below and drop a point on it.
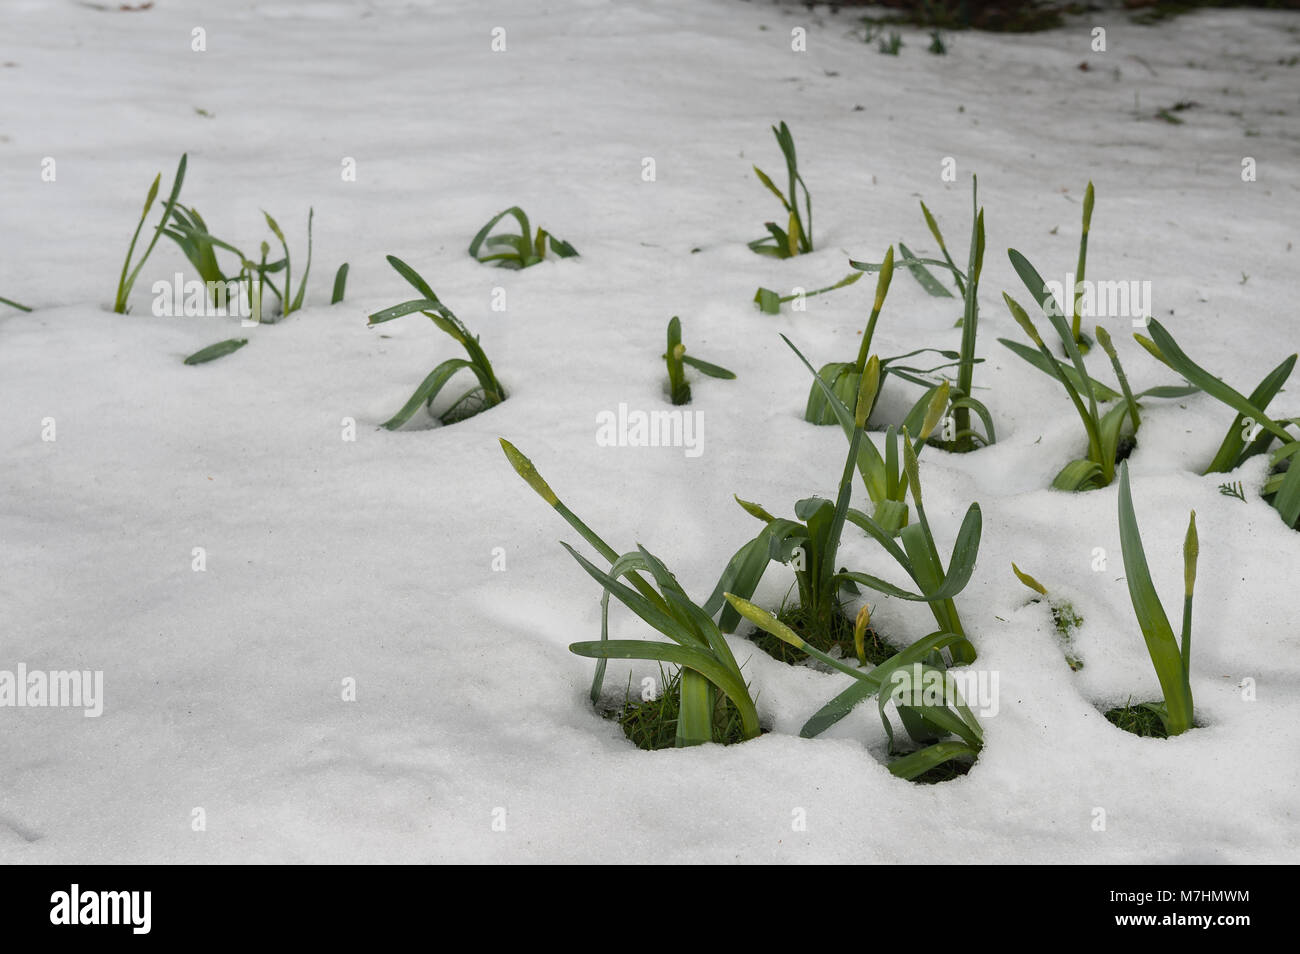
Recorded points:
(13, 304)
(1233, 451)
(427, 391)
(412, 276)
(712, 370)
(218, 350)
(1028, 580)
(769, 302)
(1180, 362)
(918, 763)
(340, 284)
(741, 577)
(1045, 363)
(519, 215)
(405, 308)
(867, 684)
(1079, 475)
(771, 186)
(1162, 646)
(922, 275)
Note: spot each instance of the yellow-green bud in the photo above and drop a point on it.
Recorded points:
(867, 390)
(1022, 319)
(934, 413)
(882, 283)
(525, 469)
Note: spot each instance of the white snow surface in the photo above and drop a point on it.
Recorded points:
(372, 559)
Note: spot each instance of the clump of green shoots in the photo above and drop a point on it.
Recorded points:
(841, 379)
(677, 359)
(917, 553)
(1253, 431)
(190, 233)
(960, 436)
(1108, 442)
(796, 238)
(700, 651)
(891, 45)
(929, 718)
(650, 722)
(770, 302)
(127, 279)
(1171, 657)
(883, 476)
(810, 544)
(487, 393)
(199, 245)
(1064, 618)
(517, 251)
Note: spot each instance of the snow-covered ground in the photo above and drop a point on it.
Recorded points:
(373, 560)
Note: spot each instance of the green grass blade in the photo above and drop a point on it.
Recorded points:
(340, 284)
(1178, 360)
(918, 763)
(1162, 646)
(867, 684)
(405, 308)
(1233, 450)
(695, 709)
(923, 276)
(13, 304)
(712, 370)
(306, 270)
(1045, 364)
(413, 277)
(426, 392)
(215, 351)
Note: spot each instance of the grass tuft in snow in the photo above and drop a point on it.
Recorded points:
(13, 304)
(807, 544)
(1108, 444)
(919, 557)
(1139, 720)
(832, 397)
(488, 393)
(960, 436)
(810, 543)
(708, 668)
(796, 238)
(651, 723)
(517, 251)
(190, 232)
(884, 477)
(127, 279)
(677, 360)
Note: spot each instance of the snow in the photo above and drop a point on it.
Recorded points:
(372, 559)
